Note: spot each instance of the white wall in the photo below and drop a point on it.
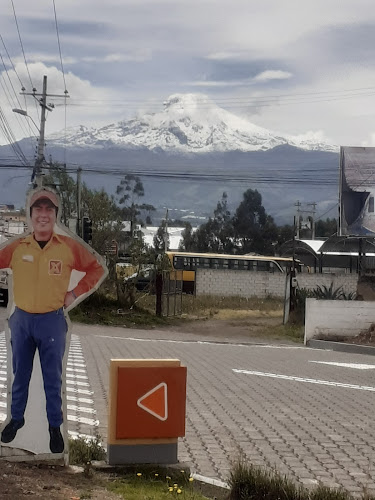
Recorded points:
(226, 283)
(337, 318)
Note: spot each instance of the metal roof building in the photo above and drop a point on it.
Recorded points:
(335, 254)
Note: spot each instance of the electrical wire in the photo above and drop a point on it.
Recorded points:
(251, 102)
(63, 74)
(8, 133)
(19, 79)
(58, 42)
(11, 62)
(23, 52)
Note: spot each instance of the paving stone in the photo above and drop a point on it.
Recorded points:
(310, 431)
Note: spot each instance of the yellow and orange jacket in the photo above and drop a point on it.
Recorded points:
(41, 276)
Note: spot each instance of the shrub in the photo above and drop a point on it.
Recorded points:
(83, 450)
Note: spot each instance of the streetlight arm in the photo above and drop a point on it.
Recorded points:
(24, 113)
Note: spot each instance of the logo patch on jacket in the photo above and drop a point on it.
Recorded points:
(55, 267)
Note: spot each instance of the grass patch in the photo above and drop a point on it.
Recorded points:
(104, 310)
(290, 331)
(155, 485)
(253, 483)
(100, 309)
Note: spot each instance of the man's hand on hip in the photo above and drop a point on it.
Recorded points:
(69, 299)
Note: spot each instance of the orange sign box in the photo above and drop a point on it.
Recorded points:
(151, 402)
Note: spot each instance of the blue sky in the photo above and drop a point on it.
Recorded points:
(294, 66)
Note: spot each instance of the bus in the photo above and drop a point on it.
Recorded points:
(188, 262)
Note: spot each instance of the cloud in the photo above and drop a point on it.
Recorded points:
(263, 77)
(268, 75)
(83, 105)
(219, 83)
(228, 55)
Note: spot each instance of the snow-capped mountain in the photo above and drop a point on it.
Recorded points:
(189, 123)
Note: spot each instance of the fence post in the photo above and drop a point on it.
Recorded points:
(159, 291)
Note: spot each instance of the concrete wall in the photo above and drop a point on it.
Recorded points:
(330, 319)
(227, 283)
(261, 284)
(311, 281)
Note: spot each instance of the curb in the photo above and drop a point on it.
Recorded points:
(210, 488)
(341, 347)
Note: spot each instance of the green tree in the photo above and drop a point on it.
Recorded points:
(254, 230)
(216, 235)
(285, 233)
(59, 179)
(161, 237)
(105, 216)
(129, 191)
(325, 229)
(188, 239)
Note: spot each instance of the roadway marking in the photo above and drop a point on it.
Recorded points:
(357, 366)
(306, 380)
(79, 395)
(204, 342)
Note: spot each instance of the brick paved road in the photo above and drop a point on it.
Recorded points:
(283, 408)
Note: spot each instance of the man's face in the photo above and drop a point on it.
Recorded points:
(43, 218)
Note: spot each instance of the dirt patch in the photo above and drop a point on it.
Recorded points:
(239, 327)
(364, 338)
(19, 480)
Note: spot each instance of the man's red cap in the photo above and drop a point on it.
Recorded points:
(44, 194)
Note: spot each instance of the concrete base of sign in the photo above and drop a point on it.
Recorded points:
(165, 453)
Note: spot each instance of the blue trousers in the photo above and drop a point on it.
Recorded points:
(47, 333)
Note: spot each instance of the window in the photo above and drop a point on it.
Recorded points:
(371, 204)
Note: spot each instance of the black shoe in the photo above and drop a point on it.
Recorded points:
(56, 443)
(10, 430)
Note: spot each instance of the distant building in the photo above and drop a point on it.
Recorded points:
(338, 254)
(6, 208)
(174, 236)
(12, 221)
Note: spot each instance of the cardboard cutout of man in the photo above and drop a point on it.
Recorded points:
(42, 263)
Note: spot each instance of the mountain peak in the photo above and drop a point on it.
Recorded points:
(189, 123)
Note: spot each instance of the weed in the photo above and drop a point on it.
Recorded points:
(248, 482)
(251, 483)
(329, 293)
(82, 451)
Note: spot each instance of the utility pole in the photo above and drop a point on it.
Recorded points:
(79, 217)
(40, 158)
(297, 222)
(166, 236)
(313, 204)
(37, 174)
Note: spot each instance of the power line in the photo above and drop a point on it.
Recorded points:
(327, 212)
(232, 102)
(58, 42)
(63, 74)
(16, 96)
(8, 133)
(19, 79)
(11, 62)
(23, 52)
